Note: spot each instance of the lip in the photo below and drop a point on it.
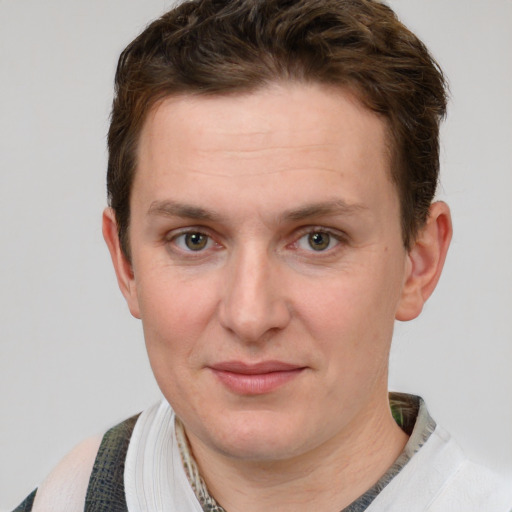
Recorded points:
(255, 379)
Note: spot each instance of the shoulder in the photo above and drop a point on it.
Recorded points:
(65, 487)
(439, 477)
(475, 487)
(465, 486)
(92, 472)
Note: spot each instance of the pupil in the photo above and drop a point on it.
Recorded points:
(319, 241)
(195, 241)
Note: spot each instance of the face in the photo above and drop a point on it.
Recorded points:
(267, 265)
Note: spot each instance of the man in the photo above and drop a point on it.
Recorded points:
(272, 167)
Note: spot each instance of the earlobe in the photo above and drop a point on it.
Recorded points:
(425, 262)
(123, 268)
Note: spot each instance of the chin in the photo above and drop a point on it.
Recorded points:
(259, 437)
(260, 448)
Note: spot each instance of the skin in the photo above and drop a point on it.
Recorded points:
(259, 178)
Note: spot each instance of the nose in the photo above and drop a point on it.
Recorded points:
(253, 304)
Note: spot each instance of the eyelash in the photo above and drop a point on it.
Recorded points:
(337, 237)
(171, 240)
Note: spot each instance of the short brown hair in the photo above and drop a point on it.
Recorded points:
(233, 46)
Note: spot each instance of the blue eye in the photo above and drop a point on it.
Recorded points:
(193, 241)
(317, 241)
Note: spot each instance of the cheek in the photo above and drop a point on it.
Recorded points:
(175, 312)
(353, 310)
(175, 318)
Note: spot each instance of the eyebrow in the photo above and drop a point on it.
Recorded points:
(169, 208)
(331, 208)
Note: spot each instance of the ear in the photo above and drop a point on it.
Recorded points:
(425, 262)
(123, 268)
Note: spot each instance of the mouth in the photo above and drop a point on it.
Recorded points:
(255, 379)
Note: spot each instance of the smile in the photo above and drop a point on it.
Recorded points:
(255, 379)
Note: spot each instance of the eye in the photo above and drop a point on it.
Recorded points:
(317, 241)
(193, 241)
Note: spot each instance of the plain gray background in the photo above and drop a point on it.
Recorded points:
(72, 360)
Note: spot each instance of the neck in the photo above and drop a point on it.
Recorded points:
(329, 477)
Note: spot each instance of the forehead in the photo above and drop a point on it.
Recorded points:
(309, 136)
